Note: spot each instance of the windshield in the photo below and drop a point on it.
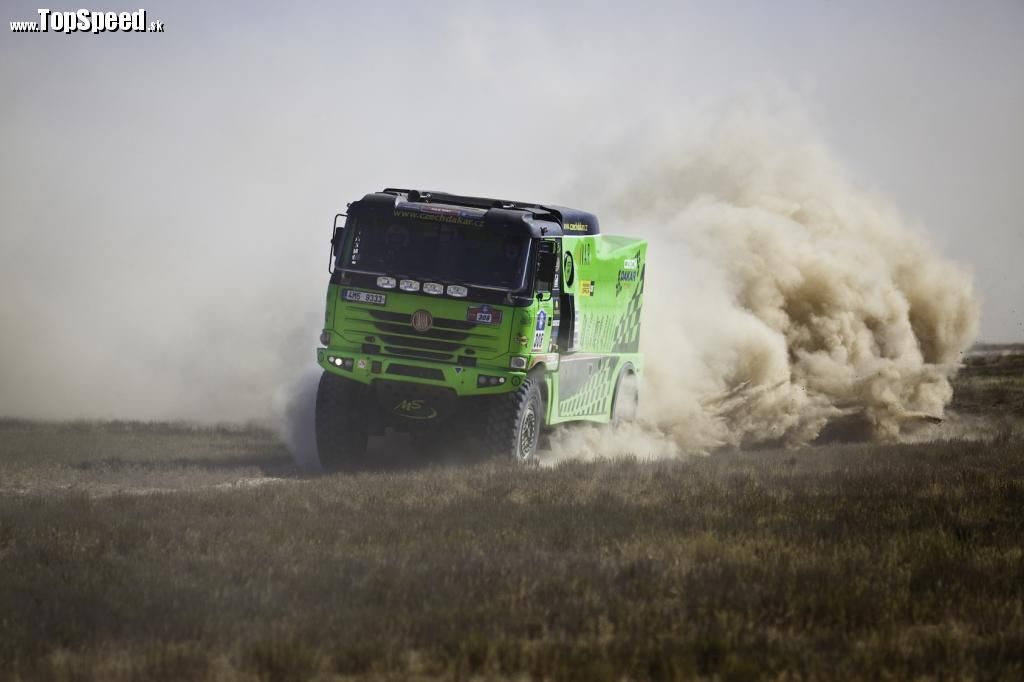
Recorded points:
(466, 254)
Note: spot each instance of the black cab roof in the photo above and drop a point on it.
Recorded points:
(539, 220)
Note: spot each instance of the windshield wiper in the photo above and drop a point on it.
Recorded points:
(364, 272)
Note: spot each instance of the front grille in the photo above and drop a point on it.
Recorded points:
(406, 318)
(444, 342)
(428, 344)
(433, 333)
(392, 317)
(413, 353)
(412, 371)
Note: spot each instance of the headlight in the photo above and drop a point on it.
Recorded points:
(457, 291)
(386, 282)
(409, 285)
(517, 362)
(343, 363)
(433, 288)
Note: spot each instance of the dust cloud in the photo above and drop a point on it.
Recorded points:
(294, 410)
(779, 297)
(164, 227)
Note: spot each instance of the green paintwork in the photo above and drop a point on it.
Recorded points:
(606, 282)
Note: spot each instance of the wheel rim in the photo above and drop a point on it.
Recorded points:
(528, 432)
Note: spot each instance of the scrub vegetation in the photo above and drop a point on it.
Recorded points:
(166, 551)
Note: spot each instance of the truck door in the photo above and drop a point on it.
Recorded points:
(544, 333)
(565, 323)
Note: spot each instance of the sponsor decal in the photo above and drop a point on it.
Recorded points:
(625, 276)
(586, 287)
(568, 271)
(597, 328)
(628, 273)
(422, 321)
(484, 314)
(538, 334)
(414, 409)
(440, 214)
(576, 227)
(364, 297)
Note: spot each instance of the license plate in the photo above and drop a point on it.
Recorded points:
(364, 297)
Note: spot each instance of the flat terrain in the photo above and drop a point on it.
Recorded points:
(172, 552)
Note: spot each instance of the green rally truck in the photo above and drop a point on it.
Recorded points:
(450, 315)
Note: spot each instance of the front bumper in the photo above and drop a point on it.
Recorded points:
(465, 381)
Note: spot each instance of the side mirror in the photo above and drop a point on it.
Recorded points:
(547, 264)
(336, 241)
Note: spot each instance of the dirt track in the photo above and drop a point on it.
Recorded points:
(175, 552)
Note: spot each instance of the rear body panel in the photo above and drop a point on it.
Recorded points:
(604, 275)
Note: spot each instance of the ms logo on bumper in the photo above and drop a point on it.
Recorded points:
(414, 409)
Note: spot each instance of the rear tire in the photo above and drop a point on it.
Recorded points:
(627, 398)
(515, 421)
(341, 423)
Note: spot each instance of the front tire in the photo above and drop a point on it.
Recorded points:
(341, 423)
(515, 422)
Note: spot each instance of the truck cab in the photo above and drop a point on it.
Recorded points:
(450, 314)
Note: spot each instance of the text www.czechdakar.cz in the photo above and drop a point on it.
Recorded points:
(88, 21)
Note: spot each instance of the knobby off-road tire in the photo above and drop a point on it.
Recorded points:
(626, 400)
(341, 416)
(514, 422)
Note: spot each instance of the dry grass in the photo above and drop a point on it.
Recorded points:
(992, 382)
(114, 457)
(839, 562)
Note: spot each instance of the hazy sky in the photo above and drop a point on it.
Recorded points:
(165, 199)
